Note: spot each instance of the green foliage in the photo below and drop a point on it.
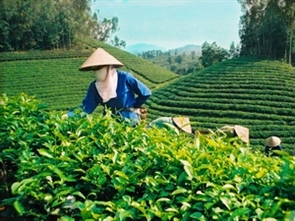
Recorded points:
(267, 29)
(48, 24)
(96, 168)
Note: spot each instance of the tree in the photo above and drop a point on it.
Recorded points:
(103, 30)
(234, 51)
(193, 54)
(179, 59)
(212, 54)
(118, 43)
(287, 8)
(26, 25)
(169, 60)
(173, 68)
(267, 28)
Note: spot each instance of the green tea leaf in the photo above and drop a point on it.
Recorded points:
(15, 186)
(226, 202)
(261, 173)
(198, 216)
(45, 153)
(179, 191)
(138, 206)
(172, 210)
(66, 218)
(121, 174)
(188, 168)
(18, 207)
(228, 186)
(18, 187)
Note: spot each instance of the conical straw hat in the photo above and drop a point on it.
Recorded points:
(99, 58)
(272, 141)
(237, 130)
(183, 123)
(242, 133)
(228, 130)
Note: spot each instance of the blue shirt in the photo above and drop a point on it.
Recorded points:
(165, 122)
(131, 93)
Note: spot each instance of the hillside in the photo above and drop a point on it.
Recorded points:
(182, 60)
(54, 78)
(258, 94)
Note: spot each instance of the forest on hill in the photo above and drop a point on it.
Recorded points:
(52, 24)
(267, 28)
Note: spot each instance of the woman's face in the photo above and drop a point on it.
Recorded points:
(101, 73)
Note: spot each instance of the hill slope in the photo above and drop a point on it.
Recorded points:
(54, 78)
(258, 94)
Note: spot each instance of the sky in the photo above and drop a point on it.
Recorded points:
(173, 23)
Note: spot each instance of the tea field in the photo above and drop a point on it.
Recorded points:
(53, 76)
(95, 168)
(256, 93)
(252, 92)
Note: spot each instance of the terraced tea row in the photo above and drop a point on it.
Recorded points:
(258, 94)
(53, 76)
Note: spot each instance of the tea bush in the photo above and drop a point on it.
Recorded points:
(98, 168)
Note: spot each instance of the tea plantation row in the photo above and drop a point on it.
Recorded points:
(55, 79)
(256, 93)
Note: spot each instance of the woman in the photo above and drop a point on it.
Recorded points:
(115, 89)
(236, 131)
(272, 143)
(172, 124)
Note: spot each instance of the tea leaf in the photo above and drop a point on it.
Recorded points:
(121, 174)
(123, 214)
(179, 191)
(45, 153)
(172, 210)
(226, 202)
(19, 207)
(56, 170)
(139, 207)
(261, 173)
(127, 199)
(198, 216)
(66, 218)
(188, 168)
(228, 186)
(18, 187)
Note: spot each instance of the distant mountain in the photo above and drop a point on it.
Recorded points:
(187, 49)
(142, 47)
